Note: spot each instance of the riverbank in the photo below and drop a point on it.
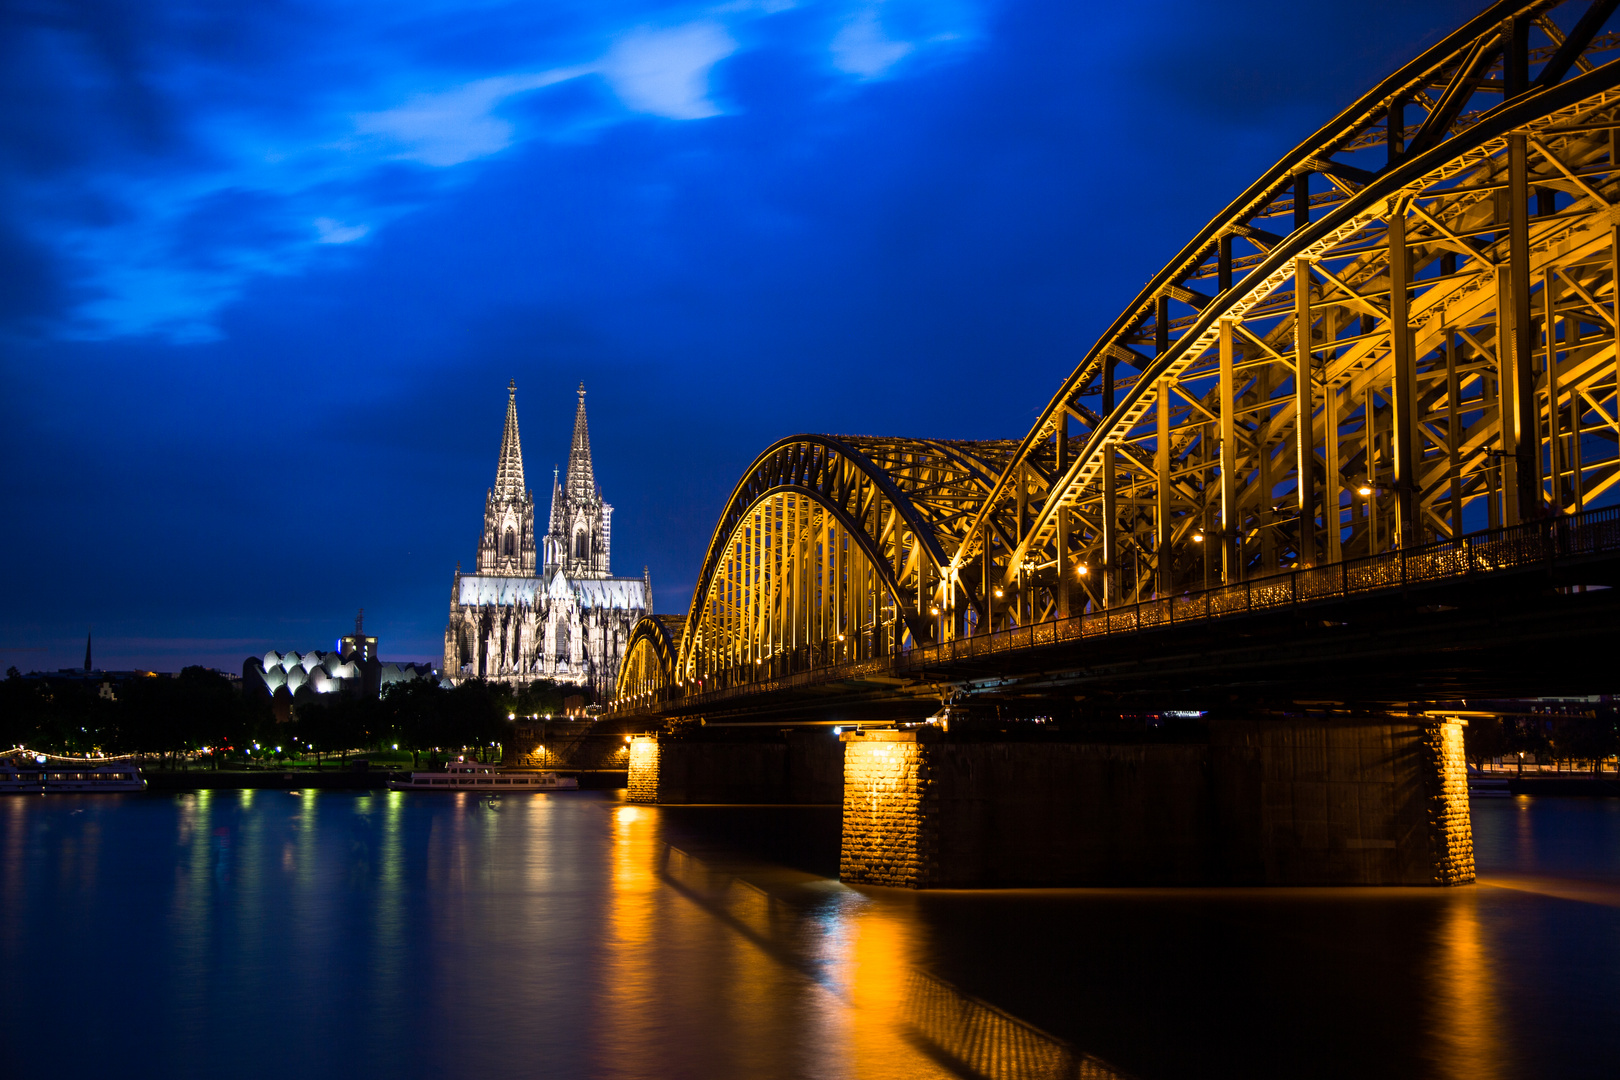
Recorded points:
(329, 780)
(1575, 784)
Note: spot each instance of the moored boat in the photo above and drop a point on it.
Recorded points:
(48, 779)
(473, 776)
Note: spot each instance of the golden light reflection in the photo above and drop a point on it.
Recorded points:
(1466, 1020)
(836, 983)
(631, 957)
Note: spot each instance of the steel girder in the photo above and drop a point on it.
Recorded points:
(834, 546)
(649, 657)
(1439, 262)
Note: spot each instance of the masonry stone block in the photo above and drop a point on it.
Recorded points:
(1267, 801)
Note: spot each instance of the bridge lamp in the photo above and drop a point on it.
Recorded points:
(998, 594)
(1084, 570)
(1364, 490)
(933, 611)
(1198, 537)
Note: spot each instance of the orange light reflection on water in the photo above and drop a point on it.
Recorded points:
(1466, 1024)
(686, 938)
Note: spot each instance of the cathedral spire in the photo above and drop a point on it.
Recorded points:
(509, 472)
(581, 477)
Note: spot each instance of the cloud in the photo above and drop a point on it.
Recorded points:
(335, 232)
(666, 72)
(457, 125)
(862, 48)
(260, 158)
(658, 72)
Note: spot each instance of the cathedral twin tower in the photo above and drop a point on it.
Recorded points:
(543, 606)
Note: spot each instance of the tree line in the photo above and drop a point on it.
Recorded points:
(201, 709)
(1578, 740)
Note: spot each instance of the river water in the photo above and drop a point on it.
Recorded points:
(328, 934)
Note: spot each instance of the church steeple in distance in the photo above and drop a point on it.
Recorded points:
(508, 544)
(581, 477)
(581, 523)
(509, 470)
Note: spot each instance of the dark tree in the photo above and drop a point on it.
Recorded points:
(1483, 738)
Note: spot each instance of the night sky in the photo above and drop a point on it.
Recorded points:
(266, 268)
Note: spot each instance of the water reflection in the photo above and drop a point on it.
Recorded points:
(977, 1039)
(1466, 1026)
(571, 935)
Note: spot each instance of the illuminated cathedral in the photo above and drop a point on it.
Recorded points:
(544, 605)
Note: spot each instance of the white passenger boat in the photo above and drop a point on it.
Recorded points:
(472, 776)
(47, 779)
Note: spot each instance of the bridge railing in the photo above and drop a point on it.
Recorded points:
(1518, 547)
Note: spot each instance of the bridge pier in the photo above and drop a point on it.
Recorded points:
(736, 766)
(1248, 802)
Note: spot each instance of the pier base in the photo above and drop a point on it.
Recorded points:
(801, 766)
(1272, 802)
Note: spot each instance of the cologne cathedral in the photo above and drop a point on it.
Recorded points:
(544, 606)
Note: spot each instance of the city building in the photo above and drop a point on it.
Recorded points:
(543, 605)
(352, 666)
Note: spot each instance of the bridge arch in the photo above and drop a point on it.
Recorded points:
(837, 548)
(649, 658)
(1429, 281)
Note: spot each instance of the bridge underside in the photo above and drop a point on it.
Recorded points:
(1537, 632)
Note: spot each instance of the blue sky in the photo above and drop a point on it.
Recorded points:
(265, 269)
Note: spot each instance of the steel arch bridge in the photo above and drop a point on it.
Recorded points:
(1403, 332)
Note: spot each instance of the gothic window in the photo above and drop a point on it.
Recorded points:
(581, 545)
(511, 542)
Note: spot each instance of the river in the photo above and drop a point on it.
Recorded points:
(335, 934)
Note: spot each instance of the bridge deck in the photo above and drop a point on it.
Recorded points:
(1504, 611)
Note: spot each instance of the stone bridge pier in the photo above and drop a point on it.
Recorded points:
(1261, 802)
(798, 765)
(1381, 801)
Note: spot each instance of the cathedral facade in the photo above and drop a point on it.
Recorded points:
(544, 605)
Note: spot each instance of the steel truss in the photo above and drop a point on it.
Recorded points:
(831, 547)
(649, 656)
(1429, 280)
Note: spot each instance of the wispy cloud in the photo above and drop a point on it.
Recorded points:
(863, 48)
(260, 172)
(457, 125)
(666, 72)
